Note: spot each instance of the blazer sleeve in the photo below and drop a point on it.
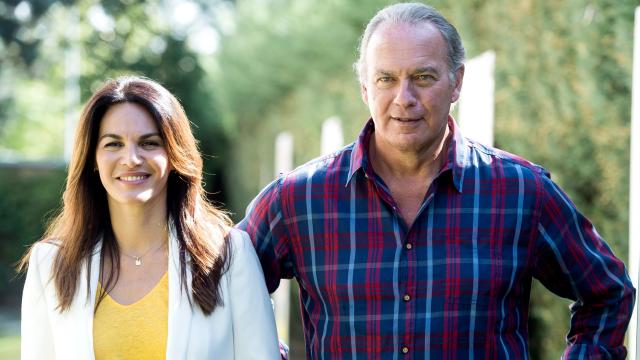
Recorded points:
(254, 326)
(36, 341)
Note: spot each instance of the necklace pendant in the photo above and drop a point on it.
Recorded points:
(138, 261)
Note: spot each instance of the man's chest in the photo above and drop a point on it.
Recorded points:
(457, 247)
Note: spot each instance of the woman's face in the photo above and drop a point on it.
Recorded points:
(131, 157)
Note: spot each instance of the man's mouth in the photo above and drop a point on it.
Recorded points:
(405, 119)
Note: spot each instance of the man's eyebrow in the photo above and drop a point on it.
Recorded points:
(420, 70)
(384, 72)
(427, 69)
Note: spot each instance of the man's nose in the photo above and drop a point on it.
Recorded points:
(405, 95)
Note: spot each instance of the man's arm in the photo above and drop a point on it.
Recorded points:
(264, 222)
(573, 261)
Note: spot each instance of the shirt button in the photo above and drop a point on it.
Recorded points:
(405, 350)
(408, 246)
(406, 297)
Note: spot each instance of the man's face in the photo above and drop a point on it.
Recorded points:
(407, 86)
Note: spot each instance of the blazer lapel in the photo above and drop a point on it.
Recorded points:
(93, 288)
(180, 310)
(80, 315)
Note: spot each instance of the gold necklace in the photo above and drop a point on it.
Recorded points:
(138, 259)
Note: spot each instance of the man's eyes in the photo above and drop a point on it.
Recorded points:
(385, 79)
(421, 79)
(425, 77)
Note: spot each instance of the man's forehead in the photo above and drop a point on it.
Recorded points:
(407, 48)
(397, 31)
(401, 40)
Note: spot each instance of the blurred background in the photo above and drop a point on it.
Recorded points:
(247, 70)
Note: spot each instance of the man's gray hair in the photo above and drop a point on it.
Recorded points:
(413, 14)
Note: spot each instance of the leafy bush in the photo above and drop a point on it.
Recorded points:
(30, 194)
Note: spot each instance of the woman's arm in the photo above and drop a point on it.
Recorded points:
(254, 327)
(36, 337)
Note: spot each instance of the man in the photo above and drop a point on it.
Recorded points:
(415, 242)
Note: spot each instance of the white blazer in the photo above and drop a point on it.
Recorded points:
(243, 328)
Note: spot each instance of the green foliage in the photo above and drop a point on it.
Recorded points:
(563, 78)
(20, 36)
(34, 125)
(30, 194)
(9, 347)
(286, 70)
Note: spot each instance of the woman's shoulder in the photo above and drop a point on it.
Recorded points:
(42, 255)
(241, 246)
(237, 236)
(44, 249)
(241, 241)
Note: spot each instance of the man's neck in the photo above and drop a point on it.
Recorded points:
(391, 163)
(409, 174)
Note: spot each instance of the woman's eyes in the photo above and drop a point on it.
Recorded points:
(146, 144)
(149, 144)
(113, 144)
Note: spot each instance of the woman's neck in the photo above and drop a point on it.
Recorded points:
(139, 228)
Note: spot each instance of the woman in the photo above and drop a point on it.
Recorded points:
(138, 265)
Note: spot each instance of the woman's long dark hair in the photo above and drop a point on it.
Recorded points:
(201, 229)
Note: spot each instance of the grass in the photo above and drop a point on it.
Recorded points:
(10, 347)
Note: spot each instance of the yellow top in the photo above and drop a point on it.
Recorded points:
(136, 331)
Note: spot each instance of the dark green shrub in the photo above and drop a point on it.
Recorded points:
(31, 193)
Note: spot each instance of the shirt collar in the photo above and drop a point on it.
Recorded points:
(457, 154)
(360, 153)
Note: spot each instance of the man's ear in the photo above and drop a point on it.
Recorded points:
(455, 95)
(363, 93)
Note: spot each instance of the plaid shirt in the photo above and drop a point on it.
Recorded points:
(456, 283)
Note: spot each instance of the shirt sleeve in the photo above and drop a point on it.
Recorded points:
(254, 326)
(265, 224)
(36, 338)
(573, 261)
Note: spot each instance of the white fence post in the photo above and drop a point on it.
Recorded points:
(281, 297)
(332, 138)
(476, 103)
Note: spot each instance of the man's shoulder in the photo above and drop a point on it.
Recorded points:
(333, 167)
(491, 157)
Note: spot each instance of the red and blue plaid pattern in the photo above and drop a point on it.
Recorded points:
(456, 283)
